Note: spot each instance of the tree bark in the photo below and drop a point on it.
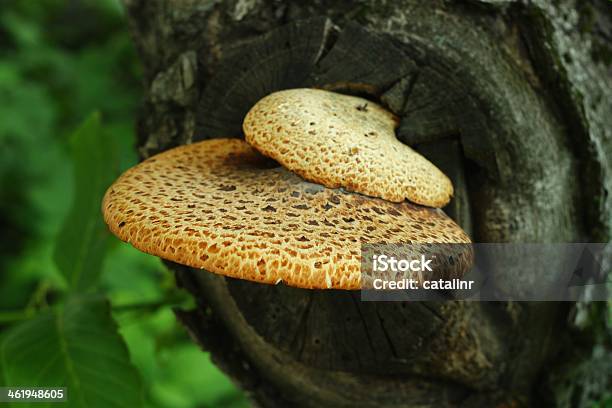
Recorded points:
(512, 99)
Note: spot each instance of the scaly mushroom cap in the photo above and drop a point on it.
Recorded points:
(343, 141)
(222, 206)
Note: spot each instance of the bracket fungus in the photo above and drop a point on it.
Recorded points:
(343, 141)
(222, 206)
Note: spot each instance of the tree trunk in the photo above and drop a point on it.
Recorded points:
(512, 99)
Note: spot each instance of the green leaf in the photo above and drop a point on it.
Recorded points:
(83, 239)
(177, 373)
(76, 347)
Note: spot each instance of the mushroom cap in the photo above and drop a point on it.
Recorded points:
(221, 206)
(343, 141)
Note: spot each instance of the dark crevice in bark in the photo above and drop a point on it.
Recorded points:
(300, 333)
(330, 36)
(364, 323)
(381, 321)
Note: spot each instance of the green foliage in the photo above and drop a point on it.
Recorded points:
(606, 401)
(76, 346)
(81, 244)
(60, 61)
(178, 375)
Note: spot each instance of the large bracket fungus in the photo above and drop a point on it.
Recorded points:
(219, 205)
(450, 73)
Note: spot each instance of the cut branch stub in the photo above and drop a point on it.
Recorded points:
(504, 122)
(463, 91)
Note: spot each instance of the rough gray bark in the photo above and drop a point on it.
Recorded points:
(512, 99)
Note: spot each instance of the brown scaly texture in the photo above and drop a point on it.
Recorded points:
(222, 206)
(343, 141)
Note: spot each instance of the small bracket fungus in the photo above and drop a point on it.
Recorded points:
(343, 141)
(222, 206)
